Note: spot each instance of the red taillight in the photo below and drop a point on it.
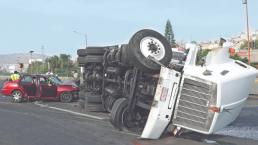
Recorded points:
(214, 109)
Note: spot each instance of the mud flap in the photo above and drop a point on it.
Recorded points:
(163, 104)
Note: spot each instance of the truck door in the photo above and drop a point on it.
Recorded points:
(163, 103)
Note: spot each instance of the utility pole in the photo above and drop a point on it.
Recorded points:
(85, 36)
(247, 31)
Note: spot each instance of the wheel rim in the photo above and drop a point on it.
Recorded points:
(151, 46)
(17, 95)
(132, 123)
(66, 97)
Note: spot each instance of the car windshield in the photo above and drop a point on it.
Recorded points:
(56, 80)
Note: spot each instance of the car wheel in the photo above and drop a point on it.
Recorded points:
(66, 97)
(146, 43)
(16, 96)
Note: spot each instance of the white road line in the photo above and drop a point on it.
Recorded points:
(6, 103)
(69, 111)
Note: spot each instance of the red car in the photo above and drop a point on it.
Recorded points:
(40, 87)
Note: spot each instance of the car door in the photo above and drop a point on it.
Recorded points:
(48, 89)
(29, 86)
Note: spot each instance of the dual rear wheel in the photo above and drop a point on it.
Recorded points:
(123, 119)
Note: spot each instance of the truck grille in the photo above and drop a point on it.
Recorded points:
(192, 108)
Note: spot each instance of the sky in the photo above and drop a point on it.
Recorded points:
(32, 24)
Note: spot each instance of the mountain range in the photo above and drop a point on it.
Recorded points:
(19, 58)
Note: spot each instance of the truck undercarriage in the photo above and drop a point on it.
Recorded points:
(121, 80)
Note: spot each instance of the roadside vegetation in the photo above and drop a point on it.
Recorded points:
(253, 45)
(61, 65)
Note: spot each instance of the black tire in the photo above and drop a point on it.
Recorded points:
(66, 97)
(91, 50)
(94, 107)
(116, 113)
(81, 52)
(108, 103)
(16, 96)
(156, 44)
(124, 55)
(90, 59)
(92, 98)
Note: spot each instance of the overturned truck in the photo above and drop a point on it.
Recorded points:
(145, 93)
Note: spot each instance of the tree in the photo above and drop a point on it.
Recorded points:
(237, 57)
(253, 45)
(169, 34)
(61, 65)
(64, 60)
(54, 62)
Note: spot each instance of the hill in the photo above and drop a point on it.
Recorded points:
(19, 58)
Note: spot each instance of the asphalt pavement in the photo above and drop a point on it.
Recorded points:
(29, 124)
(46, 123)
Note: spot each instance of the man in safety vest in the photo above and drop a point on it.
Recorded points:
(15, 76)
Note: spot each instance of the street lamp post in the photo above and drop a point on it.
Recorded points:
(31, 60)
(83, 34)
(247, 29)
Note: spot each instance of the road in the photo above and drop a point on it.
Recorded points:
(30, 124)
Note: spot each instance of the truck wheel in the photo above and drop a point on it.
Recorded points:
(146, 43)
(124, 55)
(95, 50)
(66, 97)
(90, 59)
(122, 120)
(91, 51)
(116, 113)
(108, 103)
(16, 96)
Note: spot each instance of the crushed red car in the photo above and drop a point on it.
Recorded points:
(40, 87)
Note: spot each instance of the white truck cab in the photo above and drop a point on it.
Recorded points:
(202, 98)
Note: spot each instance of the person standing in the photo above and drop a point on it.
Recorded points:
(15, 76)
